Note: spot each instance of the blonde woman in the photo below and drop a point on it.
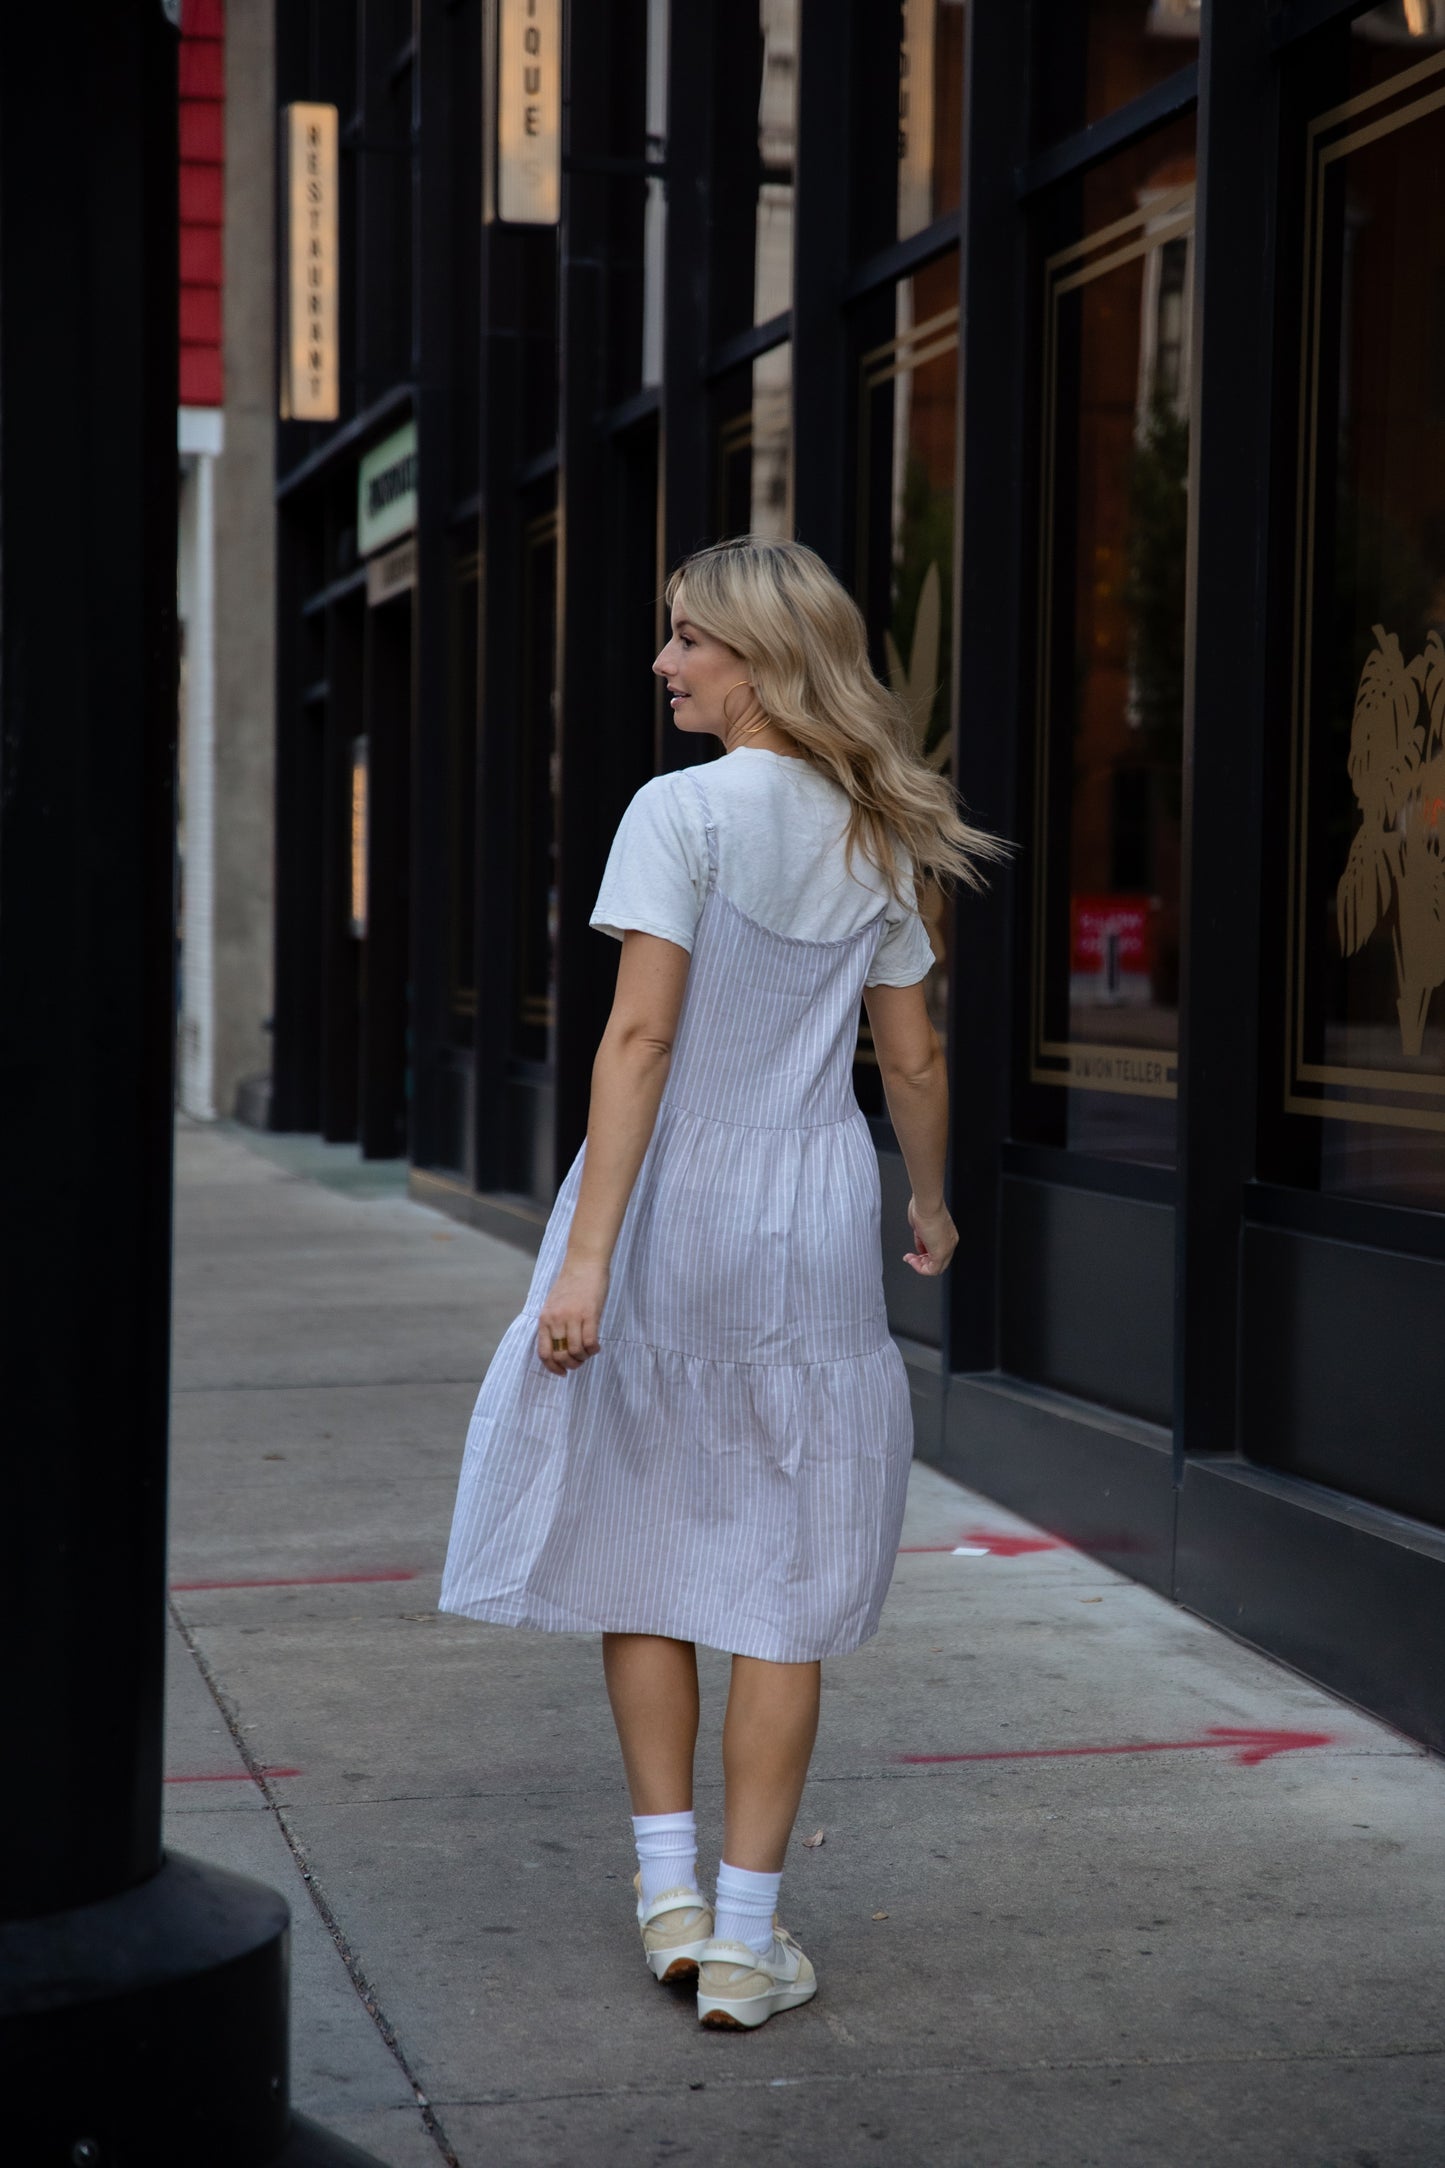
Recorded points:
(698, 1429)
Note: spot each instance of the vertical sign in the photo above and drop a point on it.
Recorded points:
(529, 112)
(310, 372)
(360, 810)
(915, 115)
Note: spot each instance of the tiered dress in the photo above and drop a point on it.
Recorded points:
(730, 1467)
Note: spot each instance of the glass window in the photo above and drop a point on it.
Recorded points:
(908, 396)
(536, 976)
(1364, 982)
(755, 87)
(908, 123)
(462, 787)
(1115, 306)
(754, 447)
(1096, 55)
(930, 112)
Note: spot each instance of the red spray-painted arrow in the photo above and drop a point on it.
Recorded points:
(1251, 1747)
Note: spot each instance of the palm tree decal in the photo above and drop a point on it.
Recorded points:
(916, 685)
(1395, 872)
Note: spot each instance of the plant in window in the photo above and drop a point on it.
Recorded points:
(1395, 872)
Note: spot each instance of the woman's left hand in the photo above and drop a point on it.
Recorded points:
(572, 1313)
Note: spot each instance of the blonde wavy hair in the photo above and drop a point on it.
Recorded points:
(803, 639)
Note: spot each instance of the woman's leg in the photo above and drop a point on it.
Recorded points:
(652, 1686)
(772, 1721)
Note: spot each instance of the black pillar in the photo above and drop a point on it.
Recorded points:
(143, 1999)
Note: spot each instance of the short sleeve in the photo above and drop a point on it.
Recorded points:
(906, 952)
(656, 876)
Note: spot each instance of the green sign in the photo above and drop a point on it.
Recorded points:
(386, 491)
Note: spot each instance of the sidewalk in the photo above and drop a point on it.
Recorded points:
(1117, 1934)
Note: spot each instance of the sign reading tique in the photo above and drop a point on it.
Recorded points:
(529, 112)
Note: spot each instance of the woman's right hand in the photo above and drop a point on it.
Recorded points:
(936, 1237)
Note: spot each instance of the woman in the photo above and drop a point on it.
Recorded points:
(698, 1429)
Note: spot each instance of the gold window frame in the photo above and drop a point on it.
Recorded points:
(898, 356)
(1169, 216)
(1324, 148)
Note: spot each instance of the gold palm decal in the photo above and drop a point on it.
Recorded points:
(1395, 873)
(917, 685)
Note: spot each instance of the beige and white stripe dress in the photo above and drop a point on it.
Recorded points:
(730, 1468)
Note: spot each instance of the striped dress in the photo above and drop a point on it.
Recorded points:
(730, 1467)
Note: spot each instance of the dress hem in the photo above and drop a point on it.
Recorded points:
(500, 1611)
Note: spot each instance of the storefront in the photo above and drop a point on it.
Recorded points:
(1098, 344)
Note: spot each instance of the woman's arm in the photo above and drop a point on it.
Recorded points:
(915, 1084)
(627, 1079)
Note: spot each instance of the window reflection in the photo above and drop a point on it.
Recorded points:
(1114, 527)
(909, 414)
(462, 784)
(1365, 986)
(930, 111)
(537, 841)
(1096, 55)
(754, 447)
(755, 100)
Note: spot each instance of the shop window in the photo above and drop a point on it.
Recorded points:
(1115, 303)
(755, 447)
(908, 119)
(908, 449)
(1094, 56)
(536, 951)
(462, 787)
(755, 89)
(1363, 857)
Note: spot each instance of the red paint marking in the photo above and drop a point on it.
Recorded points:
(1433, 811)
(991, 1540)
(1251, 1747)
(303, 1580)
(230, 1776)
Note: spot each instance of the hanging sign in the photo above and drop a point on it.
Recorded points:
(386, 491)
(310, 371)
(529, 112)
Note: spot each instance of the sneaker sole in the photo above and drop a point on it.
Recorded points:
(669, 1966)
(749, 2011)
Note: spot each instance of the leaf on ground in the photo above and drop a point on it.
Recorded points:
(880, 1915)
(815, 1840)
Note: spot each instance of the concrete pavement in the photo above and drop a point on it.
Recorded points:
(1121, 1933)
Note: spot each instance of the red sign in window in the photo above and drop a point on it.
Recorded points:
(1111, 934)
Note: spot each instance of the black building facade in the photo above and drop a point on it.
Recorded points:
(1100, 347)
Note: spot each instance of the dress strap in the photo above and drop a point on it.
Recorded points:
(709, 827)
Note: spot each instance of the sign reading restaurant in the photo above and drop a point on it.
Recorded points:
(386, 491)
(529, 112)
(310, 370)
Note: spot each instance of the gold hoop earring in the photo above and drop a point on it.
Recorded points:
(732, 689)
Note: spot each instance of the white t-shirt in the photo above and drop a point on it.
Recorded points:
(780, 825)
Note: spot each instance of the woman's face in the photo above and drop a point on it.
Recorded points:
(700, 674)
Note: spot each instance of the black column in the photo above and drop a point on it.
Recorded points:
(142, 1998)
(822, 355)
(990, 573)
(1228, 667)
(687, 516)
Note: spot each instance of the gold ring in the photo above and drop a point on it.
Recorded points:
(556, 1343)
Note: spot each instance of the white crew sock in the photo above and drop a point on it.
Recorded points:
(666, 1852)
(746, 1903)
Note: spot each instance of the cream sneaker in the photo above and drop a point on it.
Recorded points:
(676, 1928)
(737, 1989)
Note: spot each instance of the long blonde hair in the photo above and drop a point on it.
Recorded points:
(802, 637)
